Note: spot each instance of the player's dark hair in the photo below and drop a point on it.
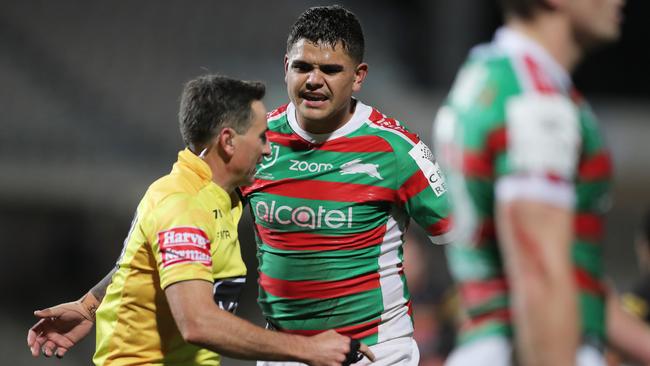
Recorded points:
(211, 102)
(329, 25)
(523, 8)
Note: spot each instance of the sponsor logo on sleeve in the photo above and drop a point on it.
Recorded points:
(429, 167)
(184, 244)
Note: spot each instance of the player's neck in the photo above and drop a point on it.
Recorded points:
(553, 33)
(331, 124)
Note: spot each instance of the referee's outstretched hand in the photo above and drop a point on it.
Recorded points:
(60, 327)
(333, 349)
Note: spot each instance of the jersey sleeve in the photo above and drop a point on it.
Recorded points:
(178, 235)
(422, 191)
(540, 159)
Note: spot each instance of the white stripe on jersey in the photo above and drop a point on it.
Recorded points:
(395, 321)
(537, 188)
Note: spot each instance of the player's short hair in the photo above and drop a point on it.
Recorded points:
(329, 25)
(211, 102)
(522, 8)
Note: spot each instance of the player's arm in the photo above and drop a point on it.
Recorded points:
(535, 200)
(62, 326)
(625, 332)
(204, 324)
(536, 239)
(422, 191)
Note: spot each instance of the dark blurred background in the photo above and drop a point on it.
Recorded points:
(88, 100)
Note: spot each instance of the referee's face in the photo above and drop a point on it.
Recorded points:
(251, 145)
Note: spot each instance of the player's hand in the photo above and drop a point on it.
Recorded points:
(333, 349)
(62, 326)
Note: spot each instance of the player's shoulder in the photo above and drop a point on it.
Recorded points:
(277, 117)
(393, 131)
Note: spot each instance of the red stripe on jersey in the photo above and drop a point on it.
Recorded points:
(576, 96)
(589, 226)
(357, 144)
(278, 111)
(306, 241)
(323, 191)
(586, 282)
(500, 315)
(497, 141)
(540, 81)
(442, 226)
(318, 289)
(341, 144)
(380, 119)
(477, 165)
(474, 293)
(357, 331)
(598, 166)
(412, 186)
(289, 140)
(486, 231)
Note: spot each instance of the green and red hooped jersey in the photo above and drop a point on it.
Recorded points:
(514, 124)
(330, 216)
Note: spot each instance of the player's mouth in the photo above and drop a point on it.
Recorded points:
(313, 100)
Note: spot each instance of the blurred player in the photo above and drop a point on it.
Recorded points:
(161, 306)
(529, 174)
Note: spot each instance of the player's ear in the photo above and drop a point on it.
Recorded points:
(359, 76)
(286, 67)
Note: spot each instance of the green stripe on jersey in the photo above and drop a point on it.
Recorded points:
(312, 265)
(320, 314)
(471, 264)
(494, 303)
(589, 257)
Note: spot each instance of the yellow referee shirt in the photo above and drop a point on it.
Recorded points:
(185, 228)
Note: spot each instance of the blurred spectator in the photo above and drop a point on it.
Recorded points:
(637, 301)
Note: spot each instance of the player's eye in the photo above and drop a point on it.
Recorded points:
(331, 69)
(301, 67)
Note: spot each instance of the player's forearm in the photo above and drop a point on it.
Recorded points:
(536, 239)
(626, 333)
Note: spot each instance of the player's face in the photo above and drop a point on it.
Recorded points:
(596, 21)
(320, 82)
(252, 145)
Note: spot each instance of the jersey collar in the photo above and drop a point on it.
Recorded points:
(516, 42)
(360, 116)
(187, 160)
